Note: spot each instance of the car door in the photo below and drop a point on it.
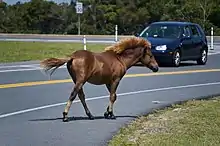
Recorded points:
(197, 42)
(186, 43)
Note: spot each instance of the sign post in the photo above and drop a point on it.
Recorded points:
(116, 33)
(212, 48)
(84, 42)
(79, 10)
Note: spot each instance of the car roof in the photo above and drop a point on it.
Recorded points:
(183, 23)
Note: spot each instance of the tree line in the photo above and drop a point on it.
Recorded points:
(101, 16)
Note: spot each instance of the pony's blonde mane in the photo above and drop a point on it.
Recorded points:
(128, 43)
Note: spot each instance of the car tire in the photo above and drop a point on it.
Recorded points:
(203, 57)
(176, 58)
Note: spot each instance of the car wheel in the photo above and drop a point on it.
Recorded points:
(203, 58)
(176, 58)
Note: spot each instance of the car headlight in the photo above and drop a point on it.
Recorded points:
(161, 48)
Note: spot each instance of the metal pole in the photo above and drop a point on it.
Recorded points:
(78, 24)
(84, 42)
(212, 48)
(116, 33)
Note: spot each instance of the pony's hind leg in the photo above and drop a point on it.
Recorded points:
(78, 89)
(73, 94)
(83, 101)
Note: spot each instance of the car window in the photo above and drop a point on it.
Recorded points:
(162, 31)
(186, 31)
(195, 32)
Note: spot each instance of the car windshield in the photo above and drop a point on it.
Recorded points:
(162, 31)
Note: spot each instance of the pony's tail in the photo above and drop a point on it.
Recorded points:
(55, 63)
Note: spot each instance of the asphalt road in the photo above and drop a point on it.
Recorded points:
(58, 38)
(72, 38)
(31, 114)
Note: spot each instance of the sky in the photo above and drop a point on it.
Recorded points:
(14, 1)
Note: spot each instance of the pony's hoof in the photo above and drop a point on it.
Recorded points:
(109, 115)
(65, 118)
(91, 117)
(112, 117)
(106, 115)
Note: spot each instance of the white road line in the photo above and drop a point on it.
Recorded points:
(106, 96)
(33, 67)
(17, 66)
(13, 70)
(27, 69)
(214, 53)
(58, 40)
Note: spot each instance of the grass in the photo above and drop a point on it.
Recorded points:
(27, 51)
(194, 123)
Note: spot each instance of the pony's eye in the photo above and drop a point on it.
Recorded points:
(150, 55)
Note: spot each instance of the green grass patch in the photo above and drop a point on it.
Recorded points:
(194, 123)
(26, 51)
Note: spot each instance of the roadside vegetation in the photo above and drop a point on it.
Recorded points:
(194, 123)
(100, 17)
(26, 51)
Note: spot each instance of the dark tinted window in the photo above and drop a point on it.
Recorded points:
(195, 32)
(162, 31)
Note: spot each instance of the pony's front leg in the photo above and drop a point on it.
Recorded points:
(109, 112)
(112, 90)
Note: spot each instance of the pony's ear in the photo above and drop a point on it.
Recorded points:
(143, 51)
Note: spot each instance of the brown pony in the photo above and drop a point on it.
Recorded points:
(107, 67)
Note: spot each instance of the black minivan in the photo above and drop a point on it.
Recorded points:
(174, 41)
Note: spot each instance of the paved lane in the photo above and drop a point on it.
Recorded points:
(72, 38)
(59, 38)
(36, 96)
(44, 127)
(29, 72)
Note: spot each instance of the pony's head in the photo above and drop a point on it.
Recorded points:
(148, 59)
(138, 48)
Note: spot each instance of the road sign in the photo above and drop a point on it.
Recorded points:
(79, 8)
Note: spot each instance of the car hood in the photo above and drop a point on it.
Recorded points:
(162, 41)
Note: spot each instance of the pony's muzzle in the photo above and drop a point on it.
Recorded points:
(155, 68)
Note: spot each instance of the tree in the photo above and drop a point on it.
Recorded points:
(101, 16)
